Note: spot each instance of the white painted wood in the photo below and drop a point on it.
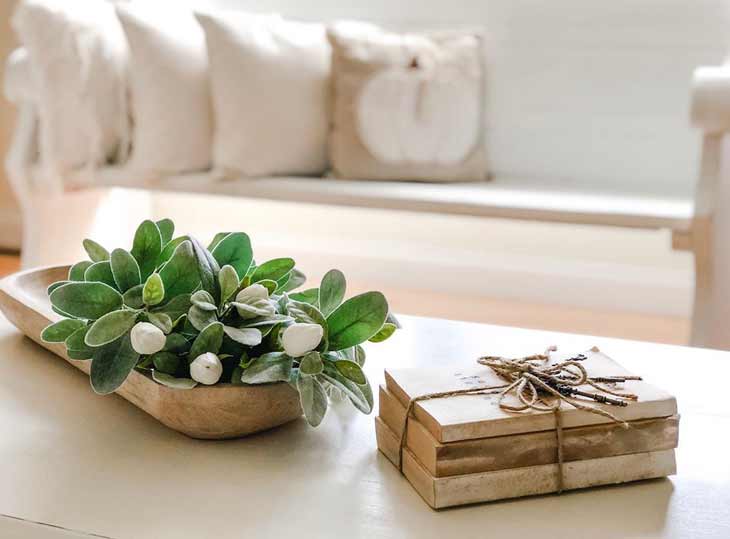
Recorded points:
(72, 458)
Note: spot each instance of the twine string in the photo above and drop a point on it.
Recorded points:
(539, 385)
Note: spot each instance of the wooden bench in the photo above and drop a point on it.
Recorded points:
(510, 196)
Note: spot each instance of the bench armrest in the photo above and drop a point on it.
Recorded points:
(19, 87)
(711, 99)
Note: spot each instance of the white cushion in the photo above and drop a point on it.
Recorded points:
(170, 99)
(270, 86)
(78, 56)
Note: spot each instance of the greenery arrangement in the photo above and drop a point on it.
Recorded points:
(185, 315)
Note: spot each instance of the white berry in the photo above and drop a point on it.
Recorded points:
(206, 369)
(147, 338)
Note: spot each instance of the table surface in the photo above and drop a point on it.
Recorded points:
(99, 465)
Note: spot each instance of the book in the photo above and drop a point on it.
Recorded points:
(526, 449)
(479, 416)
(441, 492)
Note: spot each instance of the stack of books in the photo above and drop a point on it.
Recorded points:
(465, 449)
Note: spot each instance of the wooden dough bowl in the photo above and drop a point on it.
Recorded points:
(207, 412)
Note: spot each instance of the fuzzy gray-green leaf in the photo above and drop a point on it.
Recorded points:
(166, 228)
(146, 247)
(234, 250)
(154, 290)
(356, 320)
(172, 382)
(228, 279)
(110, 327)
(62, 330)
(78, 270)
(273, 269)
(125, 270)
(244, 336)
(100, 272)
(311, 363)
(95, 251)
(208, 340)
(313, 399)
(331, 291)
(180, 274)
(385, 332)
(268, 368)
(112, 364)
(86, 300)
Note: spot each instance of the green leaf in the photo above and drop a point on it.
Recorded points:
(261, 307)
(269, 285)
(146, 248)
(95, 251)
(351, 371)
(172, 382)
(244, 336)
(133, 297)
(311, 363)
(290, 282)
(273, 269)
(313, 398)
(125, 270)
(309, 314)
(76, 344)
(201, 318)
(161, 320)
(176, 307)
(203, 300)
(166, 228)
(228, 280)
(169, 249)
(57, 284)
(176, 343)
(385, 332)
(100, 272)
(356, 354)
(234, 250)
(62, 330)
(86, 300)
(77, 271)
(268, 368)
(180, 274)
(331, 291)
(210, 339)
(361, 396)
(110, 327)
(393, 320)
(112, 364)
(208, 268)
(165, 362)
(236, 376)
(266, 321)
(356, 320)
(154, 290)
(216, 240)
(311, 296)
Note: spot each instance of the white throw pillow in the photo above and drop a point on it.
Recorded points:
(78, 57)
(168, 82)
(270, 87)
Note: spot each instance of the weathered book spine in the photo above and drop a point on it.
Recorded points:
(441, 492)
(529, 449)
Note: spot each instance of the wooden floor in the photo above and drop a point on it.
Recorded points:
(664, 329)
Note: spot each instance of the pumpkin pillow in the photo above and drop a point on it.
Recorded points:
(406, 106)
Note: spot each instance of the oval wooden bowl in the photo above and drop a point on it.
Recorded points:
(208, 412)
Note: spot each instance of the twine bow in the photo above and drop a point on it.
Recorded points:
(529, 380)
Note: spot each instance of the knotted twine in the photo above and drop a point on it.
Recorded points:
(532, 378)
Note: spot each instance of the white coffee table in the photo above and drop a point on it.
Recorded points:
(98, 465)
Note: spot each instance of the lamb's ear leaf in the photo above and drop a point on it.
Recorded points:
(176, 307)
(57, 284)
(234, 250)
(331, 291)
(208, 340)
(112, 364)
(180, 274)
(216, 240)
(176, 343)
(62, 330)
(161, 320)
(95, 251)
(153, 291)
(361, 396)
(356, 320)
(351, 371)
(125, 270)
(244, 336)
(228, 280)
(290, 282)
(208, 268)
(169, 249)
(311, 363)
(313, 399)
(110, 327)
(385, 332)
(166, 228)
(100, 272)
(311, 296)
(201, 318)
(166, 362)
(76, 346)
(86, 300)
(268, 368)
(133, 297)
(273, 269)
(146, 247)
(77, 271)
